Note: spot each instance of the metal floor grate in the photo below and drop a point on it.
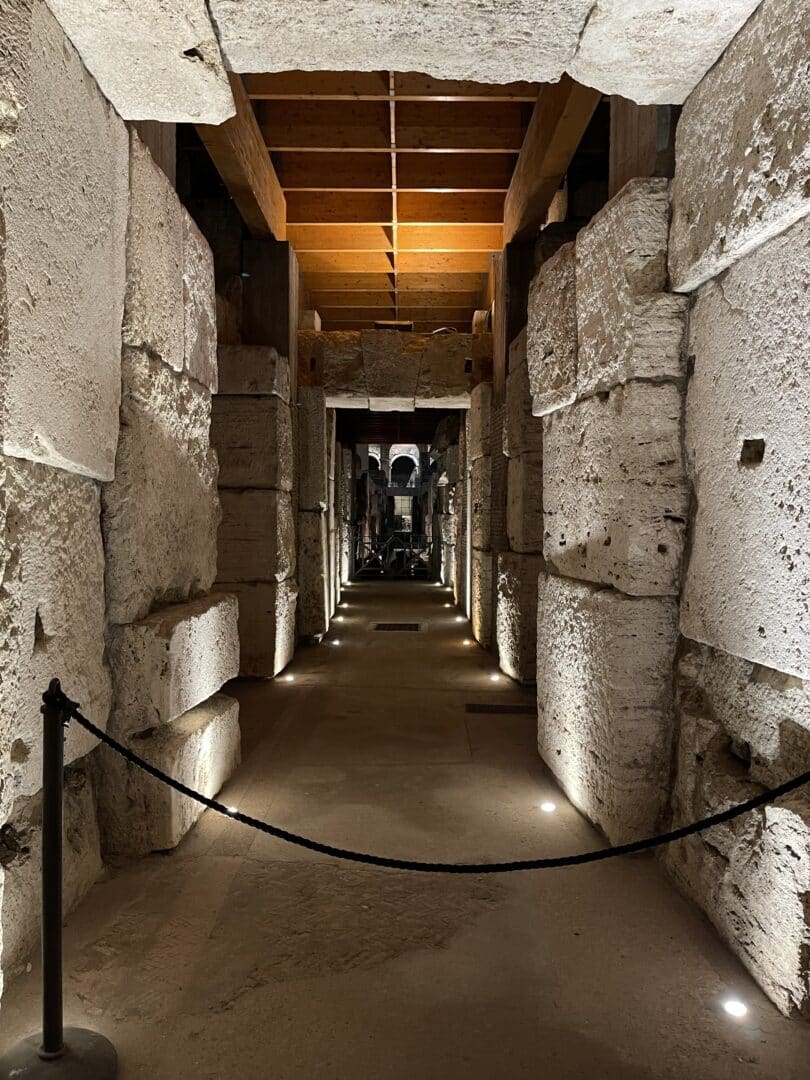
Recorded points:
(522, 710)
(412, 626)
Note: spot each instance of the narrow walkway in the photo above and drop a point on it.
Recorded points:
(238, 956)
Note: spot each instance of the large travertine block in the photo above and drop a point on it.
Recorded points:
(527, 39)
(253, 440)
(447, 528)
(629, 47)
(481, 596)
(481, 503)
(256, 536)
(154, 60)
(615, 496)
(52, 615)
(747, 424)
(344, 374)
(392, 369)
(551, 335)
(64, 168)
(516, 614)
(742, 152)
(21, 864)
(253, 369)
(199, 306)
(522, 430)
(266, 625)
(313, 574)
(448, 432)
(448, 571)
(201, 749)
(479, 423)
(524, 503)
(171, 661)
(154, 318)
(313, 448)
(447, 369)
(161, 512)
(627, 327)
(743, 726)
(604, 698)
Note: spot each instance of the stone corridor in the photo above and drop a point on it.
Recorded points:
(236, 955)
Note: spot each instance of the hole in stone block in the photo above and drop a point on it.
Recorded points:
(468, 366)
(752, 453)
(662, 549)
(19, 752)
(740, 750)
(14, 844)
(608, 541)
(40, 637)
(193, 53)
(312, 363)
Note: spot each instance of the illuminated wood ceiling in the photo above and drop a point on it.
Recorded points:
(395, 187)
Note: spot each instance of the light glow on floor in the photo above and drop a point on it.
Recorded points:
(494, 677)
(548, 807)
(734, 1007)
(336, 641)
(459, 618)
(232, 809)
(466, 641)
(289, 678)
(338, 618)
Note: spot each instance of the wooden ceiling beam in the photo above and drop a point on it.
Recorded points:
(346, 262)
(237, 150)
(439, 281)
(410, 85)
(449, 237)
(559, 120)
(336, 298)
(348, 282)
(454, 172)
(312, 171)
(373, 85)
(436, 262)
(460, 126)
(417, 207)
(339, 207)
(325, 125)
(341, 237)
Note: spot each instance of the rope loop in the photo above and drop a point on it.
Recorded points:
(56, 696)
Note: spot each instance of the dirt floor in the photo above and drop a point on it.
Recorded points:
(239, 956)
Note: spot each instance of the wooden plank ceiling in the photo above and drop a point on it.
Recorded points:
(395, 187)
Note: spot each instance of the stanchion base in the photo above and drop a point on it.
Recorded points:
(87, 1056)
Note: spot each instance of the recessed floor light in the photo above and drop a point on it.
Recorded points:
(734, 1007)
(466, 641)
(494, 677)
(338, 618)
(548, 807)
(448, 605)
(336, 641)
(459, 618)
(232, 809)
(289, 678)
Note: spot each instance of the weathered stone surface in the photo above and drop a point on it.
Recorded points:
(253, 369)
(171, 661)
(253, 440)
(201, 749)
(743, 727)
(747, 424)
(481, 503)
(522, 431)
(266, 625)
(604, 698)
(742, 153)
(448, 466)
(448, 433)
(482, 569)
(479, 422)
(516, 614)
(313, 448)
(446, 528)
(64, 200)
(344, 374)
(629, 47)
(52, 614)
(199, 306)
(153, 304)
(447, 369)
(626, 328)
(161, 512)
(448, 564)
(256, 536)
(615, 496)
(524, 503)
(154, 60)
(551, 342)
(527, 39)
(21, 865)
(392, 369)
(313, 574)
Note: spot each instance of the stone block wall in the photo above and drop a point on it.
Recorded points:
(478, 438)
(520, 558)
(252, 432)
(108, 502)
(315, 432)
(740, 245)
(606, 370)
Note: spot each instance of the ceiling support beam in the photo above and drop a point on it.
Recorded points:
(561, 115)
(237, 149)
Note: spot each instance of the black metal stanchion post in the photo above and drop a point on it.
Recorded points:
(58, 1054)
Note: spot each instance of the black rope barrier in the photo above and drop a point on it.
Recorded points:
(71, 709)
